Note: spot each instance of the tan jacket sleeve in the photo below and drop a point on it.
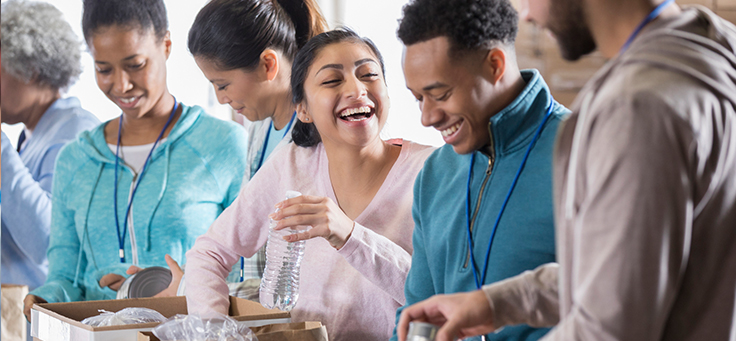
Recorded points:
(529, 298)
(629, 236)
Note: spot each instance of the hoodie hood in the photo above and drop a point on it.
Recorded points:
(93, 142)
(699, 51)
(696, 44)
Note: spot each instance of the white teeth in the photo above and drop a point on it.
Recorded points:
(127, 100)
(352, 111)
(451, 130)
(357, 118)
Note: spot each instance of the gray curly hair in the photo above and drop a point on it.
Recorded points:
(38, 44)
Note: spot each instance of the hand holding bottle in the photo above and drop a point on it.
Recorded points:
(324, 215)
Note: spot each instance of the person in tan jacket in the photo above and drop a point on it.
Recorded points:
(645, 186)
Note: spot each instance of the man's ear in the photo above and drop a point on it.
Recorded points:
(167, 44)
(494, 65)
(270, 63)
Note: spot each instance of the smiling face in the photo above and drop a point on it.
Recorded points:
(454, 94)
(565, 21)
(345, 95)
(130, 65)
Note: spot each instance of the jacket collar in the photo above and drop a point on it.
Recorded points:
(512, 127)
(50, 116)
(94, 144)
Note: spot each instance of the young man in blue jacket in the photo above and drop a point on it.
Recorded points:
(482, 203)
(645, 186)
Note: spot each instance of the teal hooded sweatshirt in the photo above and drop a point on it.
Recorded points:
(525, 237)
(191, 178)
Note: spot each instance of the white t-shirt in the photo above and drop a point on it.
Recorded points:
(134, 156)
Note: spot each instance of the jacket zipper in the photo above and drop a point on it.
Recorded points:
(491, 160)
(133, 243)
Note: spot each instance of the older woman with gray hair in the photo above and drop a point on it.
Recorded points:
(40, 59)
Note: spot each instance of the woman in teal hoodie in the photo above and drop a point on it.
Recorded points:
(146, 184)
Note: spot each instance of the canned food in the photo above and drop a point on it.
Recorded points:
(421, 331)
(146, 283)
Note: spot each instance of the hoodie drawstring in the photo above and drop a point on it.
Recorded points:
(84, 233)
(164, 183)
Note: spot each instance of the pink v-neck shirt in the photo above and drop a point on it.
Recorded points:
(354, 291)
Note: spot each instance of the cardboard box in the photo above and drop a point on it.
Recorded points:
(725, 4)
(13, 321)
(707, 3)
(728, 15)
(147, 336)
(300, 331)
(62, 321)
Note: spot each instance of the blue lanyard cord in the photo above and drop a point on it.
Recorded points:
(260, 163)
(268, 133)
(480, 282)
(121, 238)
(652, 15)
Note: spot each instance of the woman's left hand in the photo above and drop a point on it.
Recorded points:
(326, 218)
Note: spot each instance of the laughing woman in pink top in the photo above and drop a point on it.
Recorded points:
(357, 198)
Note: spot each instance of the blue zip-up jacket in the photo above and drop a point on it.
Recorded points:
(525, 237)
(27, 179)
(191, 178)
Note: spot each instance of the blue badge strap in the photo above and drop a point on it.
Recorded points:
(652, 15)
(260, 163)
(121, 239)
(482, 280)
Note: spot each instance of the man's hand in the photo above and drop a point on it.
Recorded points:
(460, 315)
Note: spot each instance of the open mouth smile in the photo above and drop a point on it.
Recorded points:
(357, 114)
(128, 102)
(451, 130)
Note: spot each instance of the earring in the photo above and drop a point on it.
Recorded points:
(306, 119)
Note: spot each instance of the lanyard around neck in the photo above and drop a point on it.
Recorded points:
(121, 238)
(651, 16)
(260, 163)
(479, 281)
(268, 133)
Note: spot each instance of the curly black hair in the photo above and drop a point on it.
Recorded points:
(470, 25)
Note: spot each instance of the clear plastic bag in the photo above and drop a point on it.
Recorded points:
(194, 328)
(123, 317)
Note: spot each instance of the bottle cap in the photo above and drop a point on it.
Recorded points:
(292, 194)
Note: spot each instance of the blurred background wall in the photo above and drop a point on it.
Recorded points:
(376, 19)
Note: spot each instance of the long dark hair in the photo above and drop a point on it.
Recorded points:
(233, 33)
(306, 134)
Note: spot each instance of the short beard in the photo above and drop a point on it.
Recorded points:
(567, 23)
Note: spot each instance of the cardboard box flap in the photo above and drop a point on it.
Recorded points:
(74, 312)
(301, 331)
(270, 328)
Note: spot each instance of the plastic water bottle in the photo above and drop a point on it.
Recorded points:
(280, 284)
